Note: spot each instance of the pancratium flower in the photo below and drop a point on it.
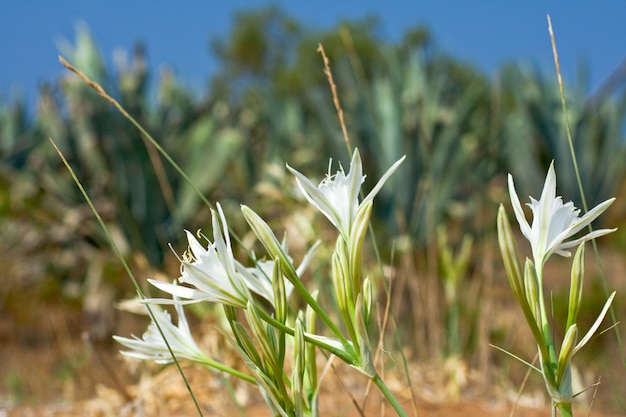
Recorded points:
(151, 346)
(554, 222)
(211, 273)
(337, 196)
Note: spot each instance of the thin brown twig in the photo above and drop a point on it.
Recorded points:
(522, 386)
(156, 162)
(333, 89)
(93, 85)
(555, 53)
(595, 392)
(107, 366)
(345, 388)
(380, 347)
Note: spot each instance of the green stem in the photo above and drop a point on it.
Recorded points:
(321, 314)
(545, 327)
(565, 409)
(342, 354)
(221, 367)
(389, 395)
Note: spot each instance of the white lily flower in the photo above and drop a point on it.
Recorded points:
(337, 196)
(151, 345)
(214, 275)
(211, 272)
(554, 222)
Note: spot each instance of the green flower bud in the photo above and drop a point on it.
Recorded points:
(567, 351)
(267, 238)
(531, 289)
(266, 343)
(576, 285)
(245, 343)
(357, 238)
(366, 364)
(280, 294)
(508, 248)
(367, 300)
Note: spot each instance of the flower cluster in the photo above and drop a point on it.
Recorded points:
(210, 273)
(152, 345)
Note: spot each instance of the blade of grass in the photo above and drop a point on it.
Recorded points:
(530, 365)
(119, 255)
(580, 186)
(518, 397)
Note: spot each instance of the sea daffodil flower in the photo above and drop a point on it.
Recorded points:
(214, 275)
(152, 346)
(337, 196)
(554, 222)
(211, 272)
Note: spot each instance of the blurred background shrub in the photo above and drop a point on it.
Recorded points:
(269, 103)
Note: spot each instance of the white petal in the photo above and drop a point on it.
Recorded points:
(596, 324)
(383, 179)
(316, 198)
(593, 235)
(517, 209)
(591, 215)
(548, 194)
(178, 290)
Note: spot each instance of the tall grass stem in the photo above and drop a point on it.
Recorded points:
(580, 187)
(119, 255)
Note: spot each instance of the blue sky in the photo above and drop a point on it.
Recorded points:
(485, 33)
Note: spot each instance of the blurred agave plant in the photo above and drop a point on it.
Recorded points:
(435, 111)
(534, 120)
(112, 158)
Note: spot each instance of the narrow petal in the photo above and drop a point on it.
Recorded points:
(591, 215)
(316, 198)
(383, 179)
(356, 178)
(197, 250)
(517, 209)
(595, 325)
(589, 236)
(178, 290)
(548, 194)
(308, 257)
(224, 249)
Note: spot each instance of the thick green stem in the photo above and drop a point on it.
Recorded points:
(389, 395)
(565, 409)
(545, 327)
